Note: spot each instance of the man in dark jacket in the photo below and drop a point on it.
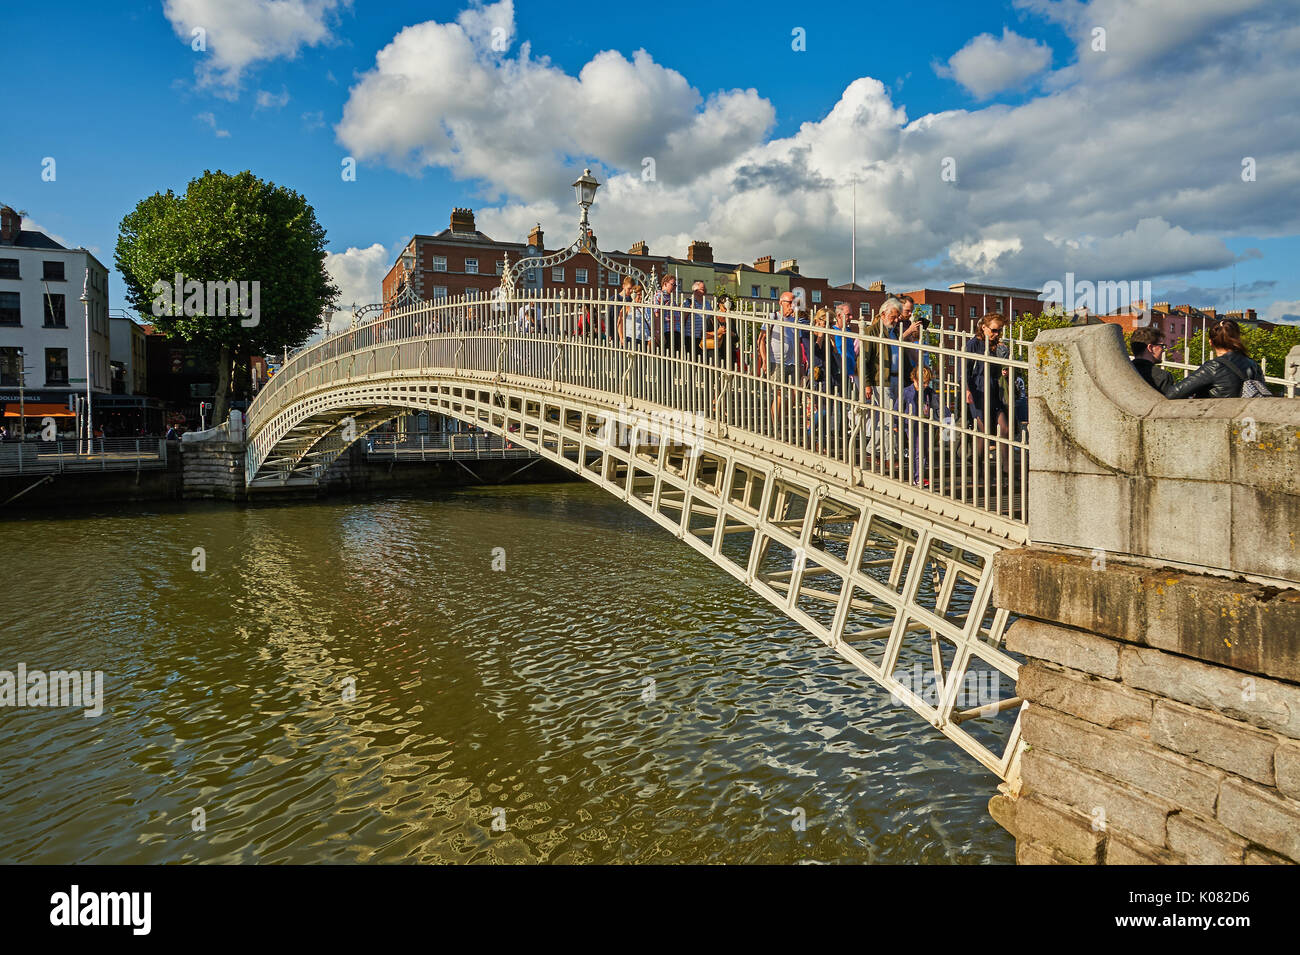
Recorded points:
(1148, 346)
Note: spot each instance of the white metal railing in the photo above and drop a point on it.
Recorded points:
(817, 403)
(99, 454)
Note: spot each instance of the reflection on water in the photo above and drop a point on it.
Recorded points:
(349, 680)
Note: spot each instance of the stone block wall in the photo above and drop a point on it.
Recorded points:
(1163, 723)
(213, 469)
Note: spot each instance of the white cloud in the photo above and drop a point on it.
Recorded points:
(1283, 312)
(1111, 177)
(267, 100)
(211, 120)
(523, 124)
(1145, 36)
(987, 65)
(982, 255)
(239, 33)
(359, 274)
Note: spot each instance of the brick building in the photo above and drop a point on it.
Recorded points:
(462, 260)
(1177, 322)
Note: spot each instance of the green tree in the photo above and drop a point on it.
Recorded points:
(228, 229)
(1026, 328)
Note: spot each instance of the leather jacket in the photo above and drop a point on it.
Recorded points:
(1220, 377)
(1155, 376)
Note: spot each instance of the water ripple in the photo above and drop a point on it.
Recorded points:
(348, 681)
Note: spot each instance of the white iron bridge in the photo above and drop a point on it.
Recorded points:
(788, 453)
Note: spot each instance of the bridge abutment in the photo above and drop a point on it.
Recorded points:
(1158, 620)
(1163, 723)
(213, 469)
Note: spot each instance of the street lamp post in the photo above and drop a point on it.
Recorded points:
(85, 309)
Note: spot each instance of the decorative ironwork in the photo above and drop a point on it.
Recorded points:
(510, 274)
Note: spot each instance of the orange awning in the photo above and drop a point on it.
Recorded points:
(38, 409)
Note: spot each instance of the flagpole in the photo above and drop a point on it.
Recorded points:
(853, 252)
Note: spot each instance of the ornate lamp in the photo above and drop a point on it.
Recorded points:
(586, 186)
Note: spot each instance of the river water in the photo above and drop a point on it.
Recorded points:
(349, 680)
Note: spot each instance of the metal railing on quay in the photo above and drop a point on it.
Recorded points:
(441, 447)
(97, 454)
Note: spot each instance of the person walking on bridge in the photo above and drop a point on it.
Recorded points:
(984, 398)
(780, 345)
(635, 317)
(881, 367)
(668, 321)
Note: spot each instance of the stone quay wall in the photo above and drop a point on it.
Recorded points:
(213, 470)
(1163, 723)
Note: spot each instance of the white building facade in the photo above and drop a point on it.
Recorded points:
(50, 342)
(127, 355)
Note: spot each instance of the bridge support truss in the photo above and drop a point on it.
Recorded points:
(904, 597)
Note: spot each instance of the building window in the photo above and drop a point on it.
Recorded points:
(972, 311)
(471, 266)
(10, 366)
(580, 276)
(11, 312)
(771, 293)
(440, 263)
(9, 269)
(440, 291)
(471, 293)
(612, 278)
(557, 274)
(952, 311)
(753, 291)
(52, 271)
(817, 295)
(500, 266)
(56, 315)
(532, 276)
(56, 366)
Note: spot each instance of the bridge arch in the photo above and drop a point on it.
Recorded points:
(897, 580)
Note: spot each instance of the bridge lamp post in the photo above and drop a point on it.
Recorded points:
(585, 187)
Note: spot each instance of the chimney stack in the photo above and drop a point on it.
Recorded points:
(462, 220)
(699, 252)
(789, 265)
(763, 263)
(639, 248)
(876, 287)
(535, 238)
(11, 223)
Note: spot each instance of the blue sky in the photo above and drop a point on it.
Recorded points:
(1146, 185)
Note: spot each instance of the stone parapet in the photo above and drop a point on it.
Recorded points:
(1116, 468)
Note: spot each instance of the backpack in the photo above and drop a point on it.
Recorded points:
(1251, 387)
